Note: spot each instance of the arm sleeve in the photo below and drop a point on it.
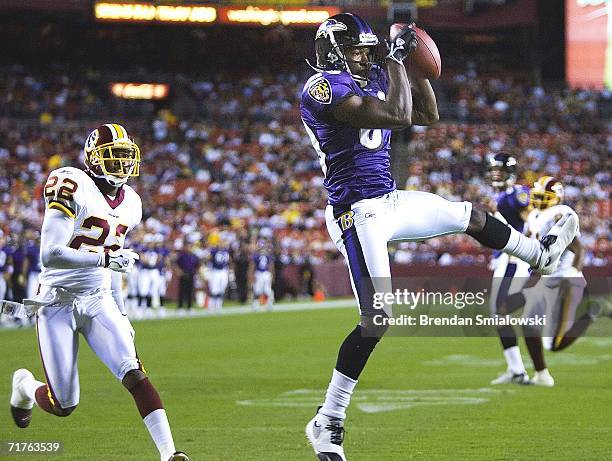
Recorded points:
(116, 279)
(54, 251)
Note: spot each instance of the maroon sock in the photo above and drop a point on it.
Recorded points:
(146, 397)
(577, 330)
(536, 351)
(42, 399)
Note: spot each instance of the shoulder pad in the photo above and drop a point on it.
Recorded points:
(522, 195)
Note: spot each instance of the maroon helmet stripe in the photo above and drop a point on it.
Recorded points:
(106, 135)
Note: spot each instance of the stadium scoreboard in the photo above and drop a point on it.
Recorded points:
(203, 14)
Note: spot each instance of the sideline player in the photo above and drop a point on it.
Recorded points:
(6, 270)
(218, 275)
(511, 274)
(31, 264)
(88, 214)
(349, 108)
(5, 266)
(558, 295)
(263, 266)
(149, 280)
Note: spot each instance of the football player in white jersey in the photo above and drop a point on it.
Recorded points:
(558, 295)
(87, 216)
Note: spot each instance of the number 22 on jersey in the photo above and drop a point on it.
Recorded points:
(95, 223)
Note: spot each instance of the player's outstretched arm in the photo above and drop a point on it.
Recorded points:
(395, 112)
(56, 233)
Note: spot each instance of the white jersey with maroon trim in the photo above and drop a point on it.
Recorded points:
(539, 223)
(100, 223)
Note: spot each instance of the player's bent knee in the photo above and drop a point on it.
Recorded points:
(372, 329)
(63, 412)
(478, 219)
(132, 378)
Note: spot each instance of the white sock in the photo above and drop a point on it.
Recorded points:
(543, 372)
(514, 360)
(523, 247)
(338, 395)
(30, 388)
(159, 428)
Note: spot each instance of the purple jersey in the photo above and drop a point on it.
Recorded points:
(33, 255)
(188, 262)
(355, 161)
(149, 258)
(19, 255)
(511, 202)
(219, 258)
(262, 262)
(163, 253)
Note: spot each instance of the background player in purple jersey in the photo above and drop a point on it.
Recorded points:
(218, 276)
(149, 275)
(31, 263)
(349, 108)
(263, 274)
(18, 257)
(5, 266)
(511, 204)
(162, 266)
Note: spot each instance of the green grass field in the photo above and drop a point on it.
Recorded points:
(243, 387)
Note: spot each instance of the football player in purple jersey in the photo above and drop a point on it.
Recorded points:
(31, 263)
(511, 204)
(349, 108)
(6, 268)
(263, 276)
(218, 278)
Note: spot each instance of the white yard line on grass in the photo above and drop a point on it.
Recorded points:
(164, 314)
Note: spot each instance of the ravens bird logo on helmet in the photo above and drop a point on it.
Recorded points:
(334, 40)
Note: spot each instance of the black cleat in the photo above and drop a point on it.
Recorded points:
(21, 404)
(21, 416)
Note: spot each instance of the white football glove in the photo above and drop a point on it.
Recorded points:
(120, 260)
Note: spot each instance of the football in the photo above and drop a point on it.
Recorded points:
(425, 60)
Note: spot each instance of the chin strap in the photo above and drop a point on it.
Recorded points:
(361, 81)
(104, 178)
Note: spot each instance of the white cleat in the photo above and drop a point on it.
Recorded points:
(555, 242)
(543, 378)
(21, 404)
(326, 435)
(512, 378)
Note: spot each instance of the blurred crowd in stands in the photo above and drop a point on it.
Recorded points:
(228, 158)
